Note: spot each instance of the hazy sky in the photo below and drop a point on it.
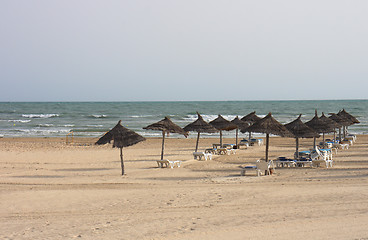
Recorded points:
(139, 50)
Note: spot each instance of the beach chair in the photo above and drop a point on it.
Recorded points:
(231, 151)
(254, 141)
(245, 144)
(201, 155)
(344, 145)
(302, 162)
(320, 157)
(351, 137)
(211, 150)
(285, 162)
(167, 163)
(261, 167)
(222, 151)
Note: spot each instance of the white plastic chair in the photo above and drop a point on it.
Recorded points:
(261, 167)
(201, 155)
(323, 156)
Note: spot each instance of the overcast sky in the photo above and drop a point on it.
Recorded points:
(144, 50)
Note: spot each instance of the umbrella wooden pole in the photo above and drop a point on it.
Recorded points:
(297, 147)
(267, 143)
(220, 138)
(122, 161)
(340, 134)
(236, 138)
(314, 142)
(163, 145)
(250, 136)
(197, 142)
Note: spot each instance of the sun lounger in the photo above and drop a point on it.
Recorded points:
(351, 137)
(322, 156)
(201, 155)
(228, 146)
(222, 151)
(326, 144)
(303, 154)
(348, 141)
(231, 151)
(211, 150)
(256, 141)
(285, 162)
(303, 162)
(245, 144)
(318, 162)
(167, 163)
(344, 146)
(261, 167)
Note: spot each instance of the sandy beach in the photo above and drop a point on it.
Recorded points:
(51, 190)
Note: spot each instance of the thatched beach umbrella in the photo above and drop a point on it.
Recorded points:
(319, 126)
(240, 125)
(269, 125)
(300, 130)
(199, 126)
(122, 137)
(250, 118)
(330, 123)
(221, 124)
(348, 116)
(166, 126)
(340, 120)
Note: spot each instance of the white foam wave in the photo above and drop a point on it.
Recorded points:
(41, 132)
(20, 121)
(49, 115)
(141, 116)
(150, 134)
(99, 115)
(46, 125)
(95, 126)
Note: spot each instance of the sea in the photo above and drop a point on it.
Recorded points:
(93, 119)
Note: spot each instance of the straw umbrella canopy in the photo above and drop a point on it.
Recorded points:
(300, 130)
(251, 118)
(122, 137)
(269, 125)
(221, 124)
(348, 116)
(240, 125)
(166, 126)
(319, 126)
(340, 120)
(331, 123)
(199, 126)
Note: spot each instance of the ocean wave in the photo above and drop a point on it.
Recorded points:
(141, 116)
(41, 132)
(95, 126)
(99, 116)
(45, 125)
(19, 121)
(49, 115)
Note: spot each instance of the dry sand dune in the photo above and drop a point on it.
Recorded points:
(50, 190)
